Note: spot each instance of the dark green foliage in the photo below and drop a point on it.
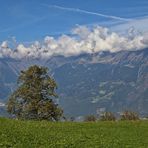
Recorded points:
(128, 115)
(34, 97)
(90, 118)
(108, 116)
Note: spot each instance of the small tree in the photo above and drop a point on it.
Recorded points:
(108, 116)
(128, 115)
(34, 96)
(90, 118)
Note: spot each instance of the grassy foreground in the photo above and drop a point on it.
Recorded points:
(33, 134)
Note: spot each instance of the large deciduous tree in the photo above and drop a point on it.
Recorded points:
(33, 99)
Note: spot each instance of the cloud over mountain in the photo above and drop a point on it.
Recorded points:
(82, 40)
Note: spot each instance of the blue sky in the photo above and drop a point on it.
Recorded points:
(29, 20)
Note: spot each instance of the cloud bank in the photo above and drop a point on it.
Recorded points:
(81, 40)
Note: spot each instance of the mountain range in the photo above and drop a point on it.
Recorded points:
(89, 83)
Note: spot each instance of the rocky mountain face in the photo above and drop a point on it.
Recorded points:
(90, 83)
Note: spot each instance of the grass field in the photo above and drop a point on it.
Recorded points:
(33, 134)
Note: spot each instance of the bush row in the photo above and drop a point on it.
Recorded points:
(109, 116)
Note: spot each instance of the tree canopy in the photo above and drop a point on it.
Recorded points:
(33, 99)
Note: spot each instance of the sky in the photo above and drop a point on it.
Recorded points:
(26, 21)
(29, 20)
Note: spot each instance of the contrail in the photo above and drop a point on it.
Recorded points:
(88, 12)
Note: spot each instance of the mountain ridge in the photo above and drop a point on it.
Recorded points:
(89, 82)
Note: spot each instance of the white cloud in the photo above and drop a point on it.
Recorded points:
(4, 44)
(82, 40)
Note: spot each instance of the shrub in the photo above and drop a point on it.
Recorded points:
(108, 116)
(128, 115)
(90, 118)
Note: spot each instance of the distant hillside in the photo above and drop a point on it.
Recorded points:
(90, 82)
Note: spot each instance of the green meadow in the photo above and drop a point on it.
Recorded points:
(44, 134)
